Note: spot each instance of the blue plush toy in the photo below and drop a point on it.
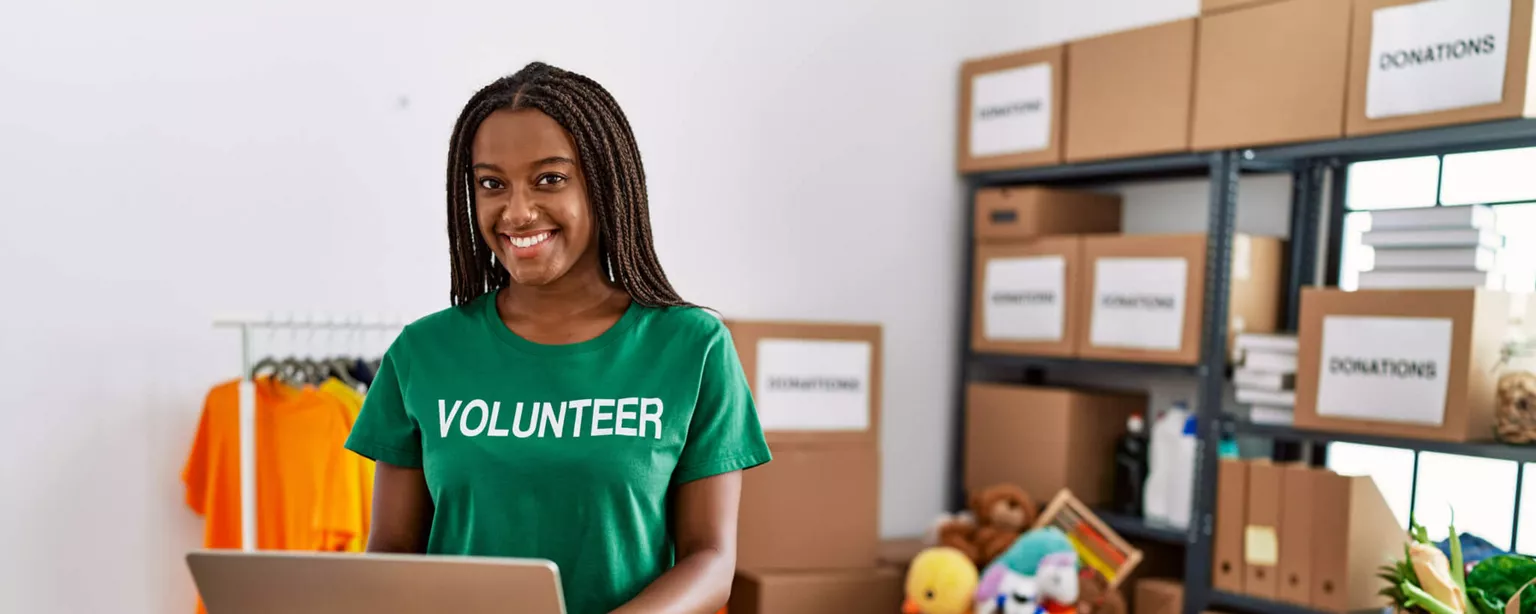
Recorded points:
(1036, 575)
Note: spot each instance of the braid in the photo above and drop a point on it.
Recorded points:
(610, 161)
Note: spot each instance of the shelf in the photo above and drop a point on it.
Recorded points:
(1183, 164)
(1482, 449)
(1222, 600)
(1132, 527)
(1023, 362)
(1432, 141)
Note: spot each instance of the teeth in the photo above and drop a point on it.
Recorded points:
(529, 241)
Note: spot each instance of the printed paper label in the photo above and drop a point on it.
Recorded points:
(1261, 545)
(1434, 56)
(1384, 368)
(1139, 303)
(1011, 111)
(1025, 299)
(813, 385)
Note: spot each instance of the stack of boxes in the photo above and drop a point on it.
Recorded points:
(1434, 248)
(1265, 376)
(808, 531)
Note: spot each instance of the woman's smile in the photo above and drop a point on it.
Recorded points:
(527, 244)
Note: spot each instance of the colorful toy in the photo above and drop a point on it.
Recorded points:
(940, 580)
(1038, 574)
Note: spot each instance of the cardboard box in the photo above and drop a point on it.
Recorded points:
(1216, 6)
(1144, 295)
(1354, 534)
(899, 553)
(1025, 299)
(816, 506)
(865, 591)
(1130, 93)
(1261, 535)
(1227, 569)
(1438, 63)
(1008, 214)
(1295, 568)
(1159, 596)
(1045, 439)
(1271, 73)
(812, 382)
(1010, 110)
(1419, 364)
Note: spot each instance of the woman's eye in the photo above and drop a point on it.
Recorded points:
(490, 183)
(550, 179)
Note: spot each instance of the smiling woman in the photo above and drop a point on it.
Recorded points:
(569, 405)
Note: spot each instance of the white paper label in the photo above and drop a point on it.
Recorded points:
(1025, 299)
(1438, 55)
(1139, 303)
(1385, 368)
(1011, 111)
(813, 385)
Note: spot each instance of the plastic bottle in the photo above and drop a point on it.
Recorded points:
(1164, 442)
(1181, 482)
(1131, 467)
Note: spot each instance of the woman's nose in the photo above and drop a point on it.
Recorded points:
(520, 211)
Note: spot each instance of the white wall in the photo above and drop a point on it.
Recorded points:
(161, 164)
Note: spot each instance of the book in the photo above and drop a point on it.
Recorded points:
(1430, 280)
(1437, 237)
(1268, 362)
(1471, 216)
(1266, 414)
(1271, 398)
(1457, 258)
(1244, 377)
(1266, 342)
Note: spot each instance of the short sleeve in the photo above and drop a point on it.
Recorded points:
(194, 475)
(385, 432)
(725, 434)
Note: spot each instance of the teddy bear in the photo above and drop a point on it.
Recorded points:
(1095, 596)
(998, 515)
(1517, 407)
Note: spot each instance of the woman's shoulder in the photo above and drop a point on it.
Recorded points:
(686, 323)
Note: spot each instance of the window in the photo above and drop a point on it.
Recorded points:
(1428, 485)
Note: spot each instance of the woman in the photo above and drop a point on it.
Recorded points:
(570, 405)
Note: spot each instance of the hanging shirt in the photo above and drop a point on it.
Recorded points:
(563, 452)
(351, 403)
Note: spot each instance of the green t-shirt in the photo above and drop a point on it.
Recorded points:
(562, 452)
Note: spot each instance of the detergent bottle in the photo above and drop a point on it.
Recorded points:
(1181, 482)
(1162, 456)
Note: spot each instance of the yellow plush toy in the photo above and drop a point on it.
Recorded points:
(941, 580)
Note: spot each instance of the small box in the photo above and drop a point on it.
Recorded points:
(1418, 364)
(863, 591)
(1130, 93)
(1045, 439)
(899, 553)
(1261, 532)
(1159, 596)
(816, 506)
(812, 382)
(1354, 533)
(1227, 568)
(1026, 212)
(1144, 295)
(1025, 298)
(1417, 64)
(1010, 110)
(1271, 73)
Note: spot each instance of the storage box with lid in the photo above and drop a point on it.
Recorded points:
(1416, 64)
(815, 506)
(1130, 93)
(1010, 110)
(1144, 295)
(1408, 363)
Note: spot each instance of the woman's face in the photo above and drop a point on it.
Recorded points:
(530, 196)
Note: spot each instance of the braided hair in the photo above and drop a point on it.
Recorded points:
(610, 161)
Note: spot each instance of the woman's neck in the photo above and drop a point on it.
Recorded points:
(566, 297)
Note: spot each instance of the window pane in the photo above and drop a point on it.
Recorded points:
(1527, 537)
(1481, 490)
(1354, 257)
(1393, 184)
(1489, 176)
(1391, 468)
(1518, 225)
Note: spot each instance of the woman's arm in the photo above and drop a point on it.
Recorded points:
(402, 510)
(705, 525)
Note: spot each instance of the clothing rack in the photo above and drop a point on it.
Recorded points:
(247, 324)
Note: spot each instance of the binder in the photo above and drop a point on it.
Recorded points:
(1354, 533)
(1296, 534)
(1261, 545)
(1231, 509)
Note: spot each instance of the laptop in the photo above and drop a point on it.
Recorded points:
(288, 582)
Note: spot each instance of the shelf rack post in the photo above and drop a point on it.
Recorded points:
(957, 498)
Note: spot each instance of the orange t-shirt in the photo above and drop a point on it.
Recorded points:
(352, 401)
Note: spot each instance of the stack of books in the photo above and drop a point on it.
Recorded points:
(1264, 375)
(1434, 248)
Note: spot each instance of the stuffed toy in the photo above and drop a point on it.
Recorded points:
(1517, 407)
(940, 581)
(997, 517)
(1095, 596)
(1038, 574)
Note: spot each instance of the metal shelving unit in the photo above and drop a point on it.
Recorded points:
(1319, 173)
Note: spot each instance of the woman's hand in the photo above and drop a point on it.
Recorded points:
(402, 510)
(704, 523)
